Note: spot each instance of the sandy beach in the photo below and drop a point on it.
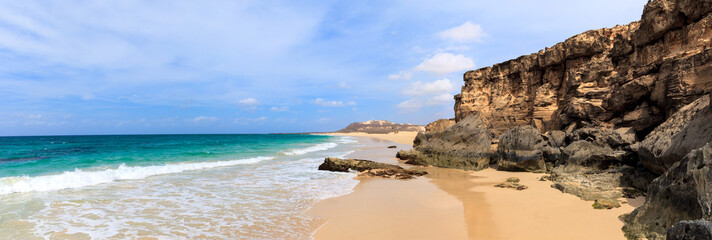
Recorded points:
(456, 204)
(403, 137)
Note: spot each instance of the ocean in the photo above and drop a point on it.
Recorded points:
(167, 186)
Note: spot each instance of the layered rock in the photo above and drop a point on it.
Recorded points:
(439, 125)
(687, 129)
(465, 145)
(626, 76)
(684, 192)
(380, 126)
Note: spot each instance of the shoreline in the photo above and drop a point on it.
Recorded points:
(457, 204)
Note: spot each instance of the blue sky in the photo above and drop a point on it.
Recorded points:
(124, 67)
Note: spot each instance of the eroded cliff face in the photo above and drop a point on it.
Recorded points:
(635, 75)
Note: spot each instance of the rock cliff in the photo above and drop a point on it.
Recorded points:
(609, 113)
(634, 75)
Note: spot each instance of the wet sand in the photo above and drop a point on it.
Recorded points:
(456, 204)
(389, 208)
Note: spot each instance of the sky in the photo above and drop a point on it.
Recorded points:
(261, 66)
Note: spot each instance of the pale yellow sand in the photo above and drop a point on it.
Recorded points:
(455, 204)
(402, 137)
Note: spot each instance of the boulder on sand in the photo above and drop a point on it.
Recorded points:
(465, 145)
(521, 149)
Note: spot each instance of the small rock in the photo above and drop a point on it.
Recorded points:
(513, 180)
(392, 146)
(545, 178)
(512, 183)
(606, 204)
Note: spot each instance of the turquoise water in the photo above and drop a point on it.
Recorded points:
(32, 156)
(166, 186)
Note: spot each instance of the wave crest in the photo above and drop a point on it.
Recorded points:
(315, 148)
(79, 178)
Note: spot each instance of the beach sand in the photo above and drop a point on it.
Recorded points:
(402, 137)
(456, 204)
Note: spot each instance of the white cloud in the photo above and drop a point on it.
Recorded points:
(467, 32)
(435, 87)
(405, 75)
(202, 119)
(279, 109)
(443, 63)
(249, 101)
(411, 105)
(325, 103)
(441, 99)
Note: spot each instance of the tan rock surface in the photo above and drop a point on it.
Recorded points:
(634, 75)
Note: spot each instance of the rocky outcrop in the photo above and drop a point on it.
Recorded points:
(684, 192)
(588, 154)
(595, 149)
(633, 76)
(465, 145)
(687, 129)
(369, 168)
(344, 165)
(380, 126)
(690, 230)
(439, 125)
(521, 149)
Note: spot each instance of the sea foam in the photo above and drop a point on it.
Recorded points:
(315, 148)
(79, 178)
